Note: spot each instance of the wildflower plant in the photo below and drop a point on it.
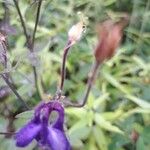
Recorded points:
(51, 135)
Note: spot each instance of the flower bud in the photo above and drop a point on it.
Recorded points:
(110, 35)
(76, 31)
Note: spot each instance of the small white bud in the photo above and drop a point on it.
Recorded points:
(76, 31)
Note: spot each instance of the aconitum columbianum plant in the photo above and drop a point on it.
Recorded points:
(51, 136)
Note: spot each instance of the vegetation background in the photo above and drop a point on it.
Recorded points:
(116, 116)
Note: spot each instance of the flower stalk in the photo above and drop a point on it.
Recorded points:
(74, 35)
(91, 78)
(63, 70)
(110, 35)
(30, 42)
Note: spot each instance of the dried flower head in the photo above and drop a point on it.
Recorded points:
(110, 34)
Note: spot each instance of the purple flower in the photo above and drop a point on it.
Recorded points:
(49, 136)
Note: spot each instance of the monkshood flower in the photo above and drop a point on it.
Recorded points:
(49, 136)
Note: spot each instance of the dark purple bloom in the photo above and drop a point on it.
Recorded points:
(49, 136)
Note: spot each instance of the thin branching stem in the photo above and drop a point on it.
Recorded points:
(36, 22)
(29, 42)
(7, 133)
(11, 86)
(58, 93)
(6, 76)
(22, 22)
(63, 67)
(90, 81)
(32, 47)
(36, 81)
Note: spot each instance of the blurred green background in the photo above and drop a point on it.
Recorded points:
(116, 116)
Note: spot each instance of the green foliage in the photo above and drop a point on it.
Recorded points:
(119, 102)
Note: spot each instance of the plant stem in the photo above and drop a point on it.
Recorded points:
(7, 133)
(91, 78)
(63, 67)
(36, 81)
(15, 92)
(63, 71)
(6, 75)
(30, 44)
(32, 47)
(36, 22)
(22, 22)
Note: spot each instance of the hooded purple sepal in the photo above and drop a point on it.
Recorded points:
(26, 134)
(47, 135)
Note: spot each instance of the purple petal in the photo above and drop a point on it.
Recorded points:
(26, 134)
(57, 106)
(42, 135)
(38, 109)
(57, 140)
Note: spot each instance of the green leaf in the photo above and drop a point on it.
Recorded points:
(100, 138)
(9, 144)
(117, 142)
(106, 124)
(26, 115)
(114, 82)
(100, 100)
(143, 142)
(113, 116)
(142, 103)
(77, 126)
(23, 118)
(140, 144)
(90, 100)
(78, 112)
(78, 132)
(134, 111)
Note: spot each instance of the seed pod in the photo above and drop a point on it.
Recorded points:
(76, 31)
(110, 35)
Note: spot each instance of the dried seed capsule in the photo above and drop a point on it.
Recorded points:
(75, 32)
(110, 35)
